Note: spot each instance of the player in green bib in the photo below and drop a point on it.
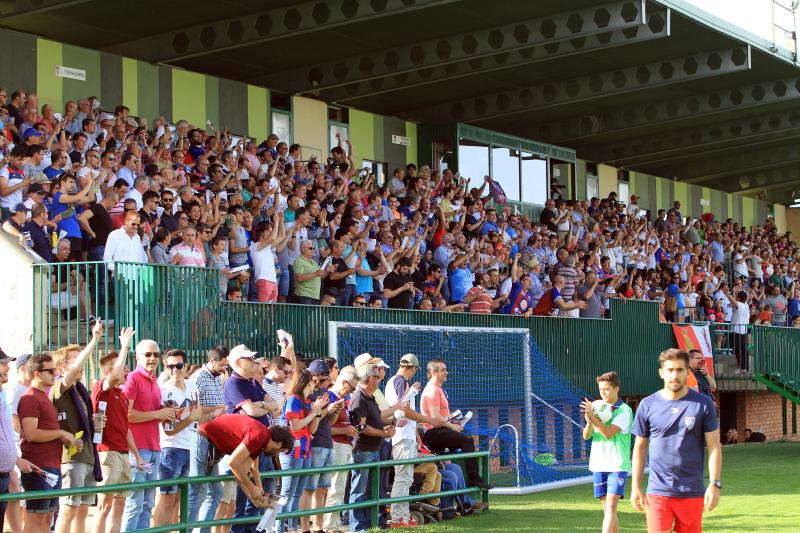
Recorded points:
(608, 424)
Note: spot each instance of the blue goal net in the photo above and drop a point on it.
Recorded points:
(524, 410)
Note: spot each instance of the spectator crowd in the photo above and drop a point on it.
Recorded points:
(99, 186)
(239, 414)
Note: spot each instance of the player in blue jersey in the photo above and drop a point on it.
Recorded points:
(674, 425)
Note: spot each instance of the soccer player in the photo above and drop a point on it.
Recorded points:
(609, 426)
(673, 425)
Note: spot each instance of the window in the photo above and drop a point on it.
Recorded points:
(534, 178)
(592, 187)
(623, 191)
(282, 126)
(505, 170)
(378, 168)
(473, 160)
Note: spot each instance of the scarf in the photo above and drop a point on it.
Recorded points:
(78, 394)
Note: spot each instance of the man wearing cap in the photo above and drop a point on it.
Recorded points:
(372, 430)
(15, 223)
(37, 193)
(633, 207)
(404, 443)
(244, 395)
(13, 181)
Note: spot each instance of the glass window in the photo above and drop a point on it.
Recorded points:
(377, 168)
(534, 178)
(623, 190)
(282, 126)
(505, 170)
(473, 160)
(343, 130)
(592, 187)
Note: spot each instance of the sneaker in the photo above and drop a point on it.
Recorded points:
(409, 522)
(478, 507)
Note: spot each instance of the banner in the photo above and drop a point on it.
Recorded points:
(696, 338)
(499, 195)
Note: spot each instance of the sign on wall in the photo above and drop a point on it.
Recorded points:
(71, 73)
(399, 139)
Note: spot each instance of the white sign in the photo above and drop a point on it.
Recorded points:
(71, 73)
(703, 201)
(399, 139)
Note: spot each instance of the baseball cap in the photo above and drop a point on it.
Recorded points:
(4, 358)
(318, 367)
(20, 207)
(36, 188)
(240, 352)
(635, 196)
(367, 359)
(23, 359)
(409, 359)
(32, 132)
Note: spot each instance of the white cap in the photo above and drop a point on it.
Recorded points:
(239, 352)
(367, 359)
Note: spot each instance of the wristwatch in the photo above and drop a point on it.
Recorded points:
(717, 483)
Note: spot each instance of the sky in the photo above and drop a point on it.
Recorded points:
(755, 16)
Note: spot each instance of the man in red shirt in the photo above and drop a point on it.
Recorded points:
(42, 443)
(117, 440)
(244, 438)
(144, 415)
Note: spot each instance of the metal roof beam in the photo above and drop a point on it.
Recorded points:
(736, 162)
(630, 119)
(21, 8)
(256, 28)
(587, 88)
(699, 141)
(436, 59)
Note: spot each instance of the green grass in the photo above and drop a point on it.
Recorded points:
(761, 493)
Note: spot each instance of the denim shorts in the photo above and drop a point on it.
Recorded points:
(174, 465)
(33, 481)
(320, 457)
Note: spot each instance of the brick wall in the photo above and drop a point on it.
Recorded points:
(763, 410)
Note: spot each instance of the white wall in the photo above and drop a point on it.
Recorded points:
(16, 286)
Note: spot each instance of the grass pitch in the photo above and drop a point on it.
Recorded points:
(761, 493)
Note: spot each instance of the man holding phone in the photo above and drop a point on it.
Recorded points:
(699, 379)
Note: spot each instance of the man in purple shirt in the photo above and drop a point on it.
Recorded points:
(675, 424)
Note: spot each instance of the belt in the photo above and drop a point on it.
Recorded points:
(4, 475)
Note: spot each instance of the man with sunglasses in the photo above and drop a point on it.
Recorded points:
(42, 444)
(124, 244)
(145, 413)
(176, 437)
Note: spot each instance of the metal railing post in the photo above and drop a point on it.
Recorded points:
(375, 494)
(184, 510)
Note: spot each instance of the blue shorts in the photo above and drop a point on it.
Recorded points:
(320, 457)
(174, 464)
(32, 482)
(609, 483)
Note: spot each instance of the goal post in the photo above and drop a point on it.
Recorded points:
(524, 411)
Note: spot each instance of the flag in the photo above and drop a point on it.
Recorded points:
(499, 195)
(696, 338)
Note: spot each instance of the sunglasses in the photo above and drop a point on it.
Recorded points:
(149, 355)
(179, 366)
(52, 371)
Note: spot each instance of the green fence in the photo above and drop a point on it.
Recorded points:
(375, 503)
(179, 307)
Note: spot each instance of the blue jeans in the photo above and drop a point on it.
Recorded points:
(292, 487)
(452, 475)
(139, 506)
(320, 457)
(360, 491)
(244, 506)
(203, 497)
(5, 479)
(174, 465)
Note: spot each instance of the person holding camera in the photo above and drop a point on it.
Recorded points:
(699, 379)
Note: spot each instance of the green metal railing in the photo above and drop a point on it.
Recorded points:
(374, 503)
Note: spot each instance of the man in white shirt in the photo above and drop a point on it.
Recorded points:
(140, 186)
(404, 443)
(124, 244)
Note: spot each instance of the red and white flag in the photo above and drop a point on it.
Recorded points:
(696, 338)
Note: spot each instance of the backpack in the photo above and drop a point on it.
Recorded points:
(545, 305)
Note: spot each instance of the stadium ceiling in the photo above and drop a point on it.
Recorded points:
(651, 86)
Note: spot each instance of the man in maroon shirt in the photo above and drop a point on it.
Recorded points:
(117, 439)
(42, 443)
(243, 438)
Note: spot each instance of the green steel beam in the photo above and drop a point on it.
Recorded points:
(20, 8)
(630, 120)
(778, 388)
(698, 141)
(564, 93)
(256, 28)
(504, 46)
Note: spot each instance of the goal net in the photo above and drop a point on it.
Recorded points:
(524, 410)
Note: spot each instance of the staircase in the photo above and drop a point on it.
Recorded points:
(779, 384)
